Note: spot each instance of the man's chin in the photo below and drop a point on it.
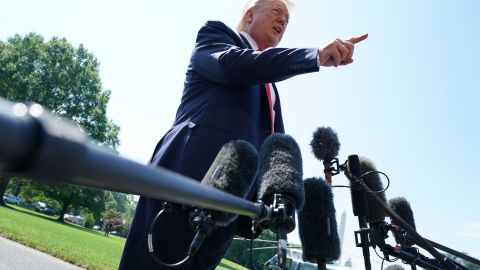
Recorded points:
(273, 43)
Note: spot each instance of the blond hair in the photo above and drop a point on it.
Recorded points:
(256, 4)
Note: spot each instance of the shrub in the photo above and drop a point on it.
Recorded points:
(89, 221)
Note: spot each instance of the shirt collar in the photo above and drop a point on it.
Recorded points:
(250, 40)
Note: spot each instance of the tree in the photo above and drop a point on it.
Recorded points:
(63, 79)
(348, 263)
(124, 205)
(72, 196)
(239, 250)
(89, 221)
(116, 220)
(120, 202)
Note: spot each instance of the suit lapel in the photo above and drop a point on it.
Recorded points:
(264, 98)
(245, 41)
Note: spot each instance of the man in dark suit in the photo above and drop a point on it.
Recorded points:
(228, 95)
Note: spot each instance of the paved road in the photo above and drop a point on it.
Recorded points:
(14, 256)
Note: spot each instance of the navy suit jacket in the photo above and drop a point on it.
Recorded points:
(224, 99)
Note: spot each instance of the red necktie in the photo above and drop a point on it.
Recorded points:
(270, 105)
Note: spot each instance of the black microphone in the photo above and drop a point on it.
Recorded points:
(281, 186)
(375, 213)
(402, 207)
(233, 171)
(394, 267)
(280, 170)
(359, 207)
(325, 146)
(317, 224)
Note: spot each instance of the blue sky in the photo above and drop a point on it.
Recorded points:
(408, 102)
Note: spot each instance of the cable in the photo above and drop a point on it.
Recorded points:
(150, 240)
(252, 265)
(365, 174)
(379, 172)
(254, 227)
(340, 186)
(383, 258)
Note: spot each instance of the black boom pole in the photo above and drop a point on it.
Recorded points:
(37, 145)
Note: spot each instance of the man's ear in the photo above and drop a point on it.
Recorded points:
(249, 16)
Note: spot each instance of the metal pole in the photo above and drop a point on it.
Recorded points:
(36, 145)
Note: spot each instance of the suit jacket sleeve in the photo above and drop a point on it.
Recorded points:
(219, 58)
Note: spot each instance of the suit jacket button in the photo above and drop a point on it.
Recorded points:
(266, 131)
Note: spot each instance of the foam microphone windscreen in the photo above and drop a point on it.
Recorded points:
(372, 180)
(233, 171)
(394, 267)
(280, 170)
(317, 223)
(325, 143)
(402, 207)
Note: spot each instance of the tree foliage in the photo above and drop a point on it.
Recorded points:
(89, 221)
(66, 81)
(72, 196)
(239, 250)
(348, 263)
(61, 78)
(119, 205)
(116, 220)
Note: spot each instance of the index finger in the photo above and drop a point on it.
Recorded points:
(358, 39)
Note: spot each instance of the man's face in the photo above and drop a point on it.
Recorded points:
(267, 23)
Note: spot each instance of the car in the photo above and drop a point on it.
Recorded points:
(48, 211)
(73, 219)
(39, 205)
(9, 198)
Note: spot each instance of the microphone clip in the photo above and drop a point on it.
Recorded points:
(281, 221)
(378, 234)
(283, 214)
(332, 166)
(363, 238)
(202, 220)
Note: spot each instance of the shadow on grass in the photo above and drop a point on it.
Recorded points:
(52, 219)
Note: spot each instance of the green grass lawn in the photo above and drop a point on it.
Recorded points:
(80, 246)
(71, 243)
(228, 265)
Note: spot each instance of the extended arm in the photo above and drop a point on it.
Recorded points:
(216, 59)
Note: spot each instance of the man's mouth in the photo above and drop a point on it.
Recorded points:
(277, 29)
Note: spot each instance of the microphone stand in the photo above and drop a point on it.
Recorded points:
(449, 250)
(360, 209)
(412, 257)
(281, 220)
(445, 262)
(352, 172)
(378, 234)
(408, 255)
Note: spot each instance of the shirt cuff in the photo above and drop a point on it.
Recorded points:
(318, 58)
